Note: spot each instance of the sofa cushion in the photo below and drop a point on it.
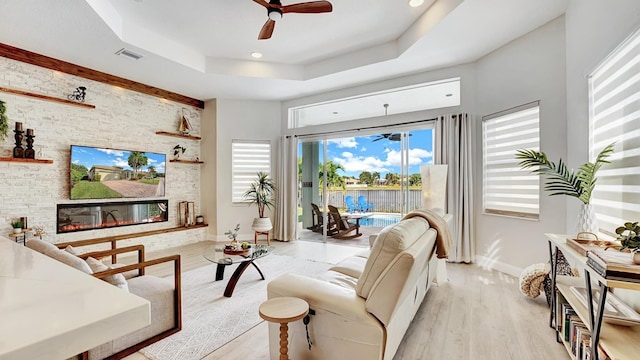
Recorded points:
(40, 246)
(352, 266)
(71, 260)
(391, 241)
(116, 279)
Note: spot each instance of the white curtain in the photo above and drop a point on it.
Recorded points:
(453, 146)
(286, 210)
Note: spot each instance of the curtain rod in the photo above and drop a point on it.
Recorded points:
(363, 128)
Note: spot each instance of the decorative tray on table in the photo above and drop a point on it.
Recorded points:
(236, 250)
(584, 244)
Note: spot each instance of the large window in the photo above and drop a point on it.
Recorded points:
(508, 190)
(248, 158)
(614, 106)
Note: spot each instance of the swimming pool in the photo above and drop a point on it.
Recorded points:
(380, 220)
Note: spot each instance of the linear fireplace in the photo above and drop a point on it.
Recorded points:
(79, 217)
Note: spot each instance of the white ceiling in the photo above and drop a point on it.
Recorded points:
(201, 48)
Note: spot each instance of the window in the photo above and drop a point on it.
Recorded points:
(248, 158)
(507, 189)
(614, 107)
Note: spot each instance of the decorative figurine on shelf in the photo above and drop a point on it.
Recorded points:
(184, 126)
(29, 153)
(78, 95)
(233, 234)
(177, 151)
(38, 231)
(18, 151)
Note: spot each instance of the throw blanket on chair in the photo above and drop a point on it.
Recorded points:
(443, 239)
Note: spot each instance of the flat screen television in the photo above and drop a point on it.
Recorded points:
(102, 173)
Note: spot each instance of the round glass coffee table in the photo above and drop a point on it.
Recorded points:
(216, 255)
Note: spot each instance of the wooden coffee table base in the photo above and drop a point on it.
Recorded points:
(284, 310)
(231, 285)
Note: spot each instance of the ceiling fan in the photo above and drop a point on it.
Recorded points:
(275, 10)
(391, 137)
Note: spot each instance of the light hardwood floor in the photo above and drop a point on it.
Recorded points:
(477, 315)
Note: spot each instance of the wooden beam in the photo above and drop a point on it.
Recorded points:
(32, 58)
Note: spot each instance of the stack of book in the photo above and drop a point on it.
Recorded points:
(613, 265)
(575, 334)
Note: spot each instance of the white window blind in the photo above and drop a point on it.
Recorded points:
(248, 158)
(507, 189)
(614, 106)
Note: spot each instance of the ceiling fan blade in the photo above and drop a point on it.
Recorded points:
(267, 30)
(262, 2)
(308, 7)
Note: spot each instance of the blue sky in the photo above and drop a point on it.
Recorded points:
(89, 156)
(358, 154)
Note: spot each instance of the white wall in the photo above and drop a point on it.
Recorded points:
(594, 28)
(122, 119)
(527, 69)
(243, 120)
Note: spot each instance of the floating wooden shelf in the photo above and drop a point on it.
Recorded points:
(46, 97)
(187, 161)
(38, 161)
(187, 136)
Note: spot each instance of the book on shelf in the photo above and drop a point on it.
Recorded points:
(613, 263)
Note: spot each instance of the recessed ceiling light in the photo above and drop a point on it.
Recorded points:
(256, 55)
(415, 3)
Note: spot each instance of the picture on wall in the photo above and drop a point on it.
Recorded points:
(102, 173)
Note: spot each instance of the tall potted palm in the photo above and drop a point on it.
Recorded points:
(261, 193)
(562, 181)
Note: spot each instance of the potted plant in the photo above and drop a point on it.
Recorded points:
(261, 193)
(562, 181)
(4, 121)
(17, 226)
(629, 237)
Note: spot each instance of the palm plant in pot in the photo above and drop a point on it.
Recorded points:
(261, 193)
(562, 181)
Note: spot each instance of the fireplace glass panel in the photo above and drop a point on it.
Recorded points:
(79, 217)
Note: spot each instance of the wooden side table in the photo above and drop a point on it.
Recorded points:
(20, 237)
(258, 233)
(284, 310)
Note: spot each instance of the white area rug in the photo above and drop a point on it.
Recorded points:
(210, 320)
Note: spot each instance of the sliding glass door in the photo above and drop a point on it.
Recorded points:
(376, 174)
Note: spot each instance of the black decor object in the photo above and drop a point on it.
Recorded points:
(18, 151)
(562, 268)
(29, 153)
(78, 95)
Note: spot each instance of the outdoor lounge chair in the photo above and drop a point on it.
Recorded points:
(343, 227)
(363, 205)
(318, 221)
(350, 203)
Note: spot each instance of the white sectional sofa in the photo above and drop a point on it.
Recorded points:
(362, 307)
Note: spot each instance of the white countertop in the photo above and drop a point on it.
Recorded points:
(49, 310)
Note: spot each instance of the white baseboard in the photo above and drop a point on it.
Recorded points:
(493, 264)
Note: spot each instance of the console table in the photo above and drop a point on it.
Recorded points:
(617, 341)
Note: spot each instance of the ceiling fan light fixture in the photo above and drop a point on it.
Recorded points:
(415, 3)
(275, 14)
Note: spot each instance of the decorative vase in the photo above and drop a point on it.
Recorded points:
(636, 257)
(587, 220)
(17, 230)
(261, 224)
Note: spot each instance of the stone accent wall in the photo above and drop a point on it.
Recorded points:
(122, 119)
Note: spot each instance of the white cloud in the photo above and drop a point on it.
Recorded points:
(357, 164)
(112, 152)
(416, 157)
(345, 143)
